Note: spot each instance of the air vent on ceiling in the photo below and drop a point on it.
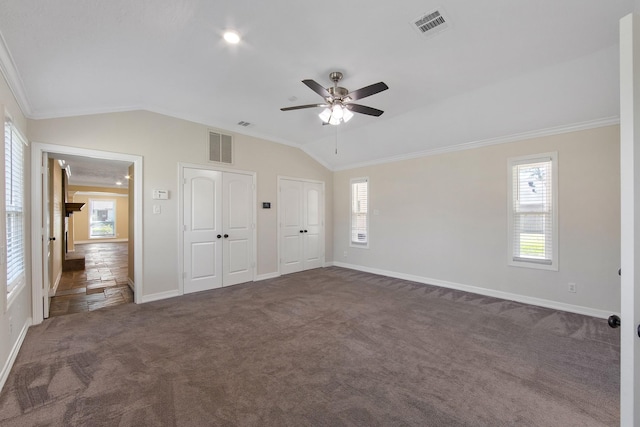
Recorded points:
(243, 123)
(431, 23)
(220, 148)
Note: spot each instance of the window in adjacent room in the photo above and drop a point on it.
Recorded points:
(14, 206)
(102, 221)
(533, 211)
(360, 212)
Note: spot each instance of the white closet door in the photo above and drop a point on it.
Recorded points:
(291, 226)
(202, 226)
(237, 221)
(301, 214)
(313, 210)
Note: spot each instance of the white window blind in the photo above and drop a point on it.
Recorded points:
(360, 211)
(533, 216)
(14, 205)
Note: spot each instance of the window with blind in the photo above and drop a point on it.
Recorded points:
(14, 206)
(533, 211)
(360, 212)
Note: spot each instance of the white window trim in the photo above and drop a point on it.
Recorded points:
(351, 242)
(553, 156)
(115, 218)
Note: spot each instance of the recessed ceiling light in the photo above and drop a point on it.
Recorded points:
(232, 37)
(118, 182)
(127, 177)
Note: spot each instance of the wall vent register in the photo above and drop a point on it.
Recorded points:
(220, 148)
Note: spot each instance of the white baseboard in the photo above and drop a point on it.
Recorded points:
(13, 354)
(266, 276)
(329, 263)
(52, 292)
(587, 311)
(160, 296)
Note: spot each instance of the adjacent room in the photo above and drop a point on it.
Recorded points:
(344, 213)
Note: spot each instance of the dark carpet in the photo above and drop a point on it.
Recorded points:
(327, 347)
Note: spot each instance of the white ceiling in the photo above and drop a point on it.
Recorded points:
(95, 172)
(503, 68)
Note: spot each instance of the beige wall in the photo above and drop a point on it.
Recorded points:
(444, 218)
(81, 219)
(14, 318)
(164, 142)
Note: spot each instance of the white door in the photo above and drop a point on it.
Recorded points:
(202, 230)
(46, 243)
(630, 220)
(313, 236)
(237, 220)
(301, 211)
(291, 226)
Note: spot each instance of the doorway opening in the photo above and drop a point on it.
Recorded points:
(81, 263)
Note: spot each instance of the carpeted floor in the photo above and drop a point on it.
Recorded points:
(327, 347)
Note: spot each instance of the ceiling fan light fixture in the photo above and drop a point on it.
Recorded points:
(346, 115)
(337, 112)
(334, 121)
(325, 115)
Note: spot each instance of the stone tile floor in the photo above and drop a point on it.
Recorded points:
(103, 282)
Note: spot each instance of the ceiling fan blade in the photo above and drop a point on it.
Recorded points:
(367, 91)
(317, 88)
(300, 107)
(362, 109)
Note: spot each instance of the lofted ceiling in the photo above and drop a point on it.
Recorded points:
(501, 69)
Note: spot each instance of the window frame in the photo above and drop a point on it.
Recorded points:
(532, 262)
(115, 208)
(15, 287)
(352, 243)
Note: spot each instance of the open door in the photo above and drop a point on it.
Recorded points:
(46, 242)
(630, 220)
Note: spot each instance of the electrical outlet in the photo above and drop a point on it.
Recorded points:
(572, 288)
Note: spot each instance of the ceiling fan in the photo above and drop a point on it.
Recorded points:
(338, 104)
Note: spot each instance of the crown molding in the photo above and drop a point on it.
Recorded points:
(556, 130)
(11, 75)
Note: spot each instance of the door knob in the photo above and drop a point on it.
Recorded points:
(52, 238)
(219, 236)
(302, 231)
(306, 231)
(614, 321)
(226, 235)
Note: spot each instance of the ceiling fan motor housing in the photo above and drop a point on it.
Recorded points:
(338, 92)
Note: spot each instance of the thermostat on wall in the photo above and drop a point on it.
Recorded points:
(160, 194)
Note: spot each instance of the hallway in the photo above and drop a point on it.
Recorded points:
(103, 282)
